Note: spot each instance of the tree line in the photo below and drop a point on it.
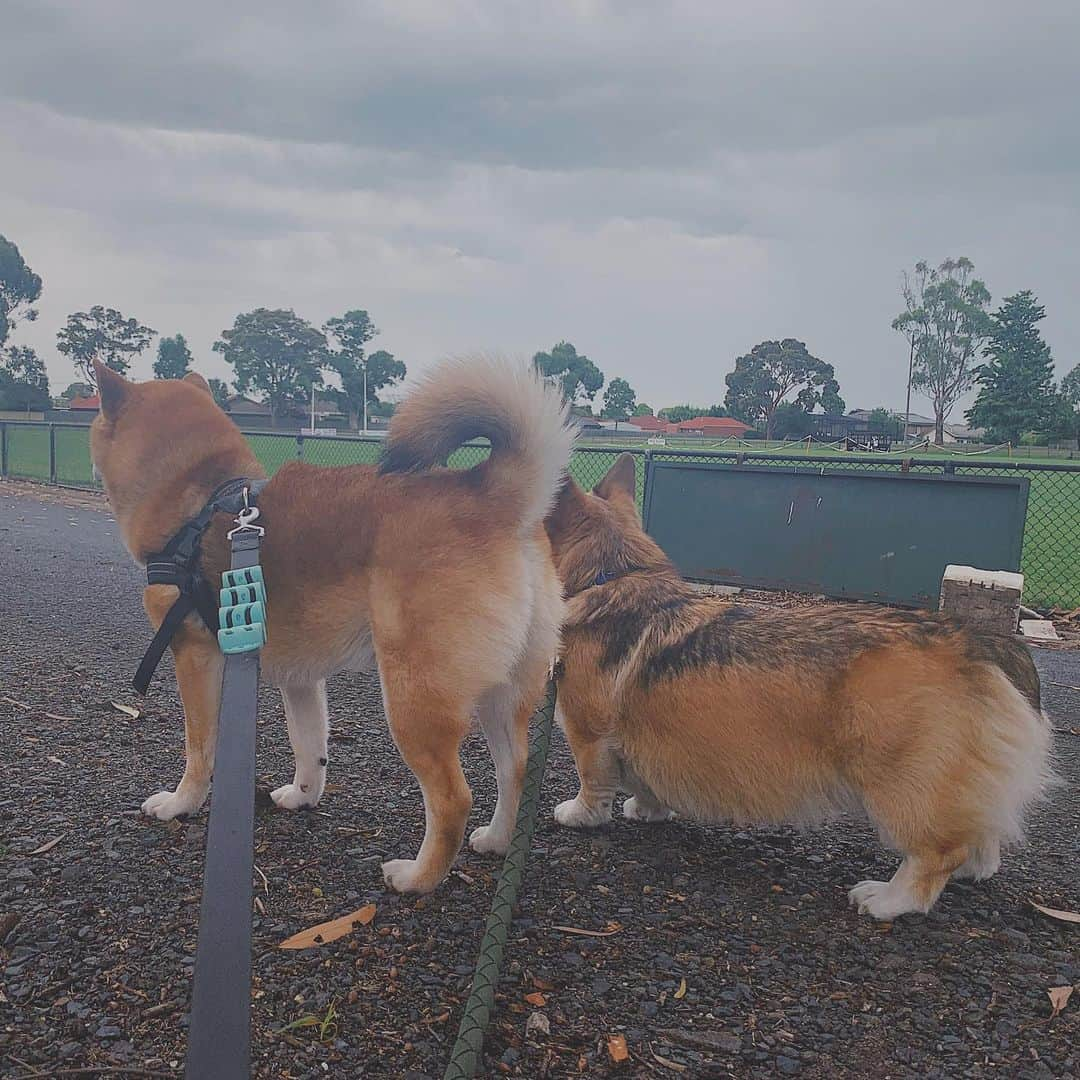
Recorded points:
(274, 353)
(757, 390)
(955, 344)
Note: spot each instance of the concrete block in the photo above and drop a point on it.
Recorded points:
(986, 599)
(714, 590)
(1038, 630)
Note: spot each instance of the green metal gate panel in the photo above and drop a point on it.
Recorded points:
(862, 536)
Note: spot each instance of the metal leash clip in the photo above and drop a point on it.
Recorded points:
(245, 519)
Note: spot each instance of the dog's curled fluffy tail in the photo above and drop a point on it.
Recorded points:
(524, 418)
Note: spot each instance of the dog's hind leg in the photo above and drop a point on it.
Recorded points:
(504, 719)
(309, 722)
(504, 714)
(983, 862)
(428, 724)
(199, 667)
(913, 888)
(643, 805)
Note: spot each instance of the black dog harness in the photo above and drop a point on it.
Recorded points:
(178, 564)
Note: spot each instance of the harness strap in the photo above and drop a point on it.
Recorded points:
(603, 577)
(183, 606)
(178, 564)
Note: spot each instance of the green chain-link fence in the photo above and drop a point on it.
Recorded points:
(59, 453)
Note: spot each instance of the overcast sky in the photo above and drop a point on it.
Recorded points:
(664, 185)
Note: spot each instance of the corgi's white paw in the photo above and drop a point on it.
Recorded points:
(882, 899)
(487, 840)
(983, 863)
(635, 809)
(575, 814)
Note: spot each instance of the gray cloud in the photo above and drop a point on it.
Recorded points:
(665, 187)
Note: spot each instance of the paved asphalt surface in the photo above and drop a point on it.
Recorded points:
(733, 952)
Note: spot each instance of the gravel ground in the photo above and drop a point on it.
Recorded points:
(734, 952)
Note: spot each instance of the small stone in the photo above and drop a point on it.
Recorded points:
(1015, 937)
(537, 1024)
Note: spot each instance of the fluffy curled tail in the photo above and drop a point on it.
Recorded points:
(524, 419)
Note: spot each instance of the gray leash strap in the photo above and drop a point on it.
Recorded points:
(219, 1039)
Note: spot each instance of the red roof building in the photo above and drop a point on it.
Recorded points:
(91, 404)
(719, 427)
(650, 423)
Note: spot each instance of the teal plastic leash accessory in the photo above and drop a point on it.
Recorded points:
(242, 599)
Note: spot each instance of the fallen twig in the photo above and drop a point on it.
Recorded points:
(91, 1070)
(162, 1009)
(588, 933)
(48, 845)
(266, 883)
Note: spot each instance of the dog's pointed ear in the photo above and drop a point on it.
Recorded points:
(113, 390)
(196, 379)
(567, 506)
(621, 479)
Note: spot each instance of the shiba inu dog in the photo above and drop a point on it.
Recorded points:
(440, 578)
(701, 706)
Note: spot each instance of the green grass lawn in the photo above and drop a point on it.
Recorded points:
(1020, 455)
(1051, 559)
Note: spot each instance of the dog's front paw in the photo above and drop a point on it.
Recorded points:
(575, 814)
(406, 876)
(882, 899)
(487, 841)
(166, 805)
(635, 809)
(294, 797)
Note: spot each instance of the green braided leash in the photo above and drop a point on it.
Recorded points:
(465, 1055)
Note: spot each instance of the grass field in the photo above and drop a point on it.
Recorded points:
(1019, 455)
(1051, 559)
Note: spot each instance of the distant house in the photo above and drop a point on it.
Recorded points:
(962, 434)
(918, 427)
(86, 404)
(716, 427)
(922, 427)
(650, 424)
(238, 406)
(631, 427)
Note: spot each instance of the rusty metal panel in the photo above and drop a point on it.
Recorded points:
(862, 536)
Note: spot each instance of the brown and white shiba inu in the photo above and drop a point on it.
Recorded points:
(443, 579)
(720, 713)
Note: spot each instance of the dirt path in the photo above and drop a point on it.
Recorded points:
(781, 978)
